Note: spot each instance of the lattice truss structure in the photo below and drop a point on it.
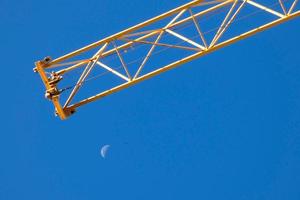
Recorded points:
(155, 46)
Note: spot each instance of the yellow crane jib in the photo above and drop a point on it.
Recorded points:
(185, 33)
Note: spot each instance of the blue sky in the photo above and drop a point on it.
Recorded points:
(225, 126)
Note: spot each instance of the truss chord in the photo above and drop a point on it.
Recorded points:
(179, 62)
(51, 81)
(137, 40)
(211, 30)
(178, 28)
(143, 24)
(216, 7)
(106, 39)
(174, 24)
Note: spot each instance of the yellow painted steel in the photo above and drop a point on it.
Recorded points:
(185, 60)
(141, 25)
(55, 99)
(53, 93)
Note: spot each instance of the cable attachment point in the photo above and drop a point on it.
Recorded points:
(53, 81)
(49, 94)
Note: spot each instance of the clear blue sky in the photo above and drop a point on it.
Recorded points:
(225, 126)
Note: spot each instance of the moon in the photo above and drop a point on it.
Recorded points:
(104, 150)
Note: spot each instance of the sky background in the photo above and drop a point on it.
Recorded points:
(225, 126)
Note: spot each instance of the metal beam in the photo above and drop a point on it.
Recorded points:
(185, 60)
(140, 35)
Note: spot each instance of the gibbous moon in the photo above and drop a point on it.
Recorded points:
(104, 150)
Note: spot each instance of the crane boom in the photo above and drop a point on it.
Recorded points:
(139, 53)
